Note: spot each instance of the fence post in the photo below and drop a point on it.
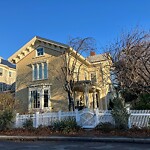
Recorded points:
(96, 113)
(59, 115)
(36, 119)
(129, 119)
(17, 120)
(77, 115)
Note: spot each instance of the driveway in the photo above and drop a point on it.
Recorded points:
(59, 145)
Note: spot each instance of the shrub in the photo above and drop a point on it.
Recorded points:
(66, 125)
(8, 102)
(28, 124)
(120, 114)
(105, 127)
(6, 119)
(143, 102)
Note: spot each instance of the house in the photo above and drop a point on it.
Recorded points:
(7, 75)
(40, 80)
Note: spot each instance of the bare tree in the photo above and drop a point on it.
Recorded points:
(130, 57)
(77, 48)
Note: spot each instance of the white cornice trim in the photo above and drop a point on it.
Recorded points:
(16, 56)
(29, 47)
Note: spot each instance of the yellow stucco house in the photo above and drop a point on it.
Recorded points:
(40, 81)
(7, 75)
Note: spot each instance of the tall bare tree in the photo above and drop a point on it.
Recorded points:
(77, 47)
(130, 57)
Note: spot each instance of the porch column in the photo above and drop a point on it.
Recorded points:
(87, 96)
(106, 102)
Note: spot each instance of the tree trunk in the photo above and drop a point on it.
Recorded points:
(71, 101)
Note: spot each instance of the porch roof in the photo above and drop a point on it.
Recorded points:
(80, 86)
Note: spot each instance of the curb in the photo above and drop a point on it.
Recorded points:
(77, 139)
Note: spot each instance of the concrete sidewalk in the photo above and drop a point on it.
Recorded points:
(79, 139)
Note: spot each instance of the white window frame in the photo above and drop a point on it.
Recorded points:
(38, 73)
(37, 51)
(40, 90)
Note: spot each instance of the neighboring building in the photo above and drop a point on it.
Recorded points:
(7, 76)
(39, 80)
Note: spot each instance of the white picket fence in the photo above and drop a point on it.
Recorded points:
(85, 118)
(44, 119)
(139, 118)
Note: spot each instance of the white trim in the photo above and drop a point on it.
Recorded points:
(40, 89)
(33, 72)
(43, 70)
(37, 71)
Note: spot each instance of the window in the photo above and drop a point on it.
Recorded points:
(93, 77)
(3, 87)
(10, 74)
(35, 97)
(40, 51)
(45, 71)
(1, 72)
(35, 72)
(39, 71)
(39, 96)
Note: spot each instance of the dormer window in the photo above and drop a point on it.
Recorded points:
(40, 51)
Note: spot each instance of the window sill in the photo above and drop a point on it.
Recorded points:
(38, 56)
(40, 79)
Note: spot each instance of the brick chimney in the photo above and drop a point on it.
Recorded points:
(92, 53)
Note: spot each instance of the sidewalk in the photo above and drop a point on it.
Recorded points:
(79, 139)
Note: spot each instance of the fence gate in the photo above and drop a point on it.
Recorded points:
(87, 119)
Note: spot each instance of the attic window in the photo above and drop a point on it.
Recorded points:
(40, 51)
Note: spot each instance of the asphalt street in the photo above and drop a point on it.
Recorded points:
(61, 145)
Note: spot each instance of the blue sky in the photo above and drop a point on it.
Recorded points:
(104, 20)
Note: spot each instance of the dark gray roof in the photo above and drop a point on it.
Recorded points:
(51, 41)
(7, 63)
(96, 58)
